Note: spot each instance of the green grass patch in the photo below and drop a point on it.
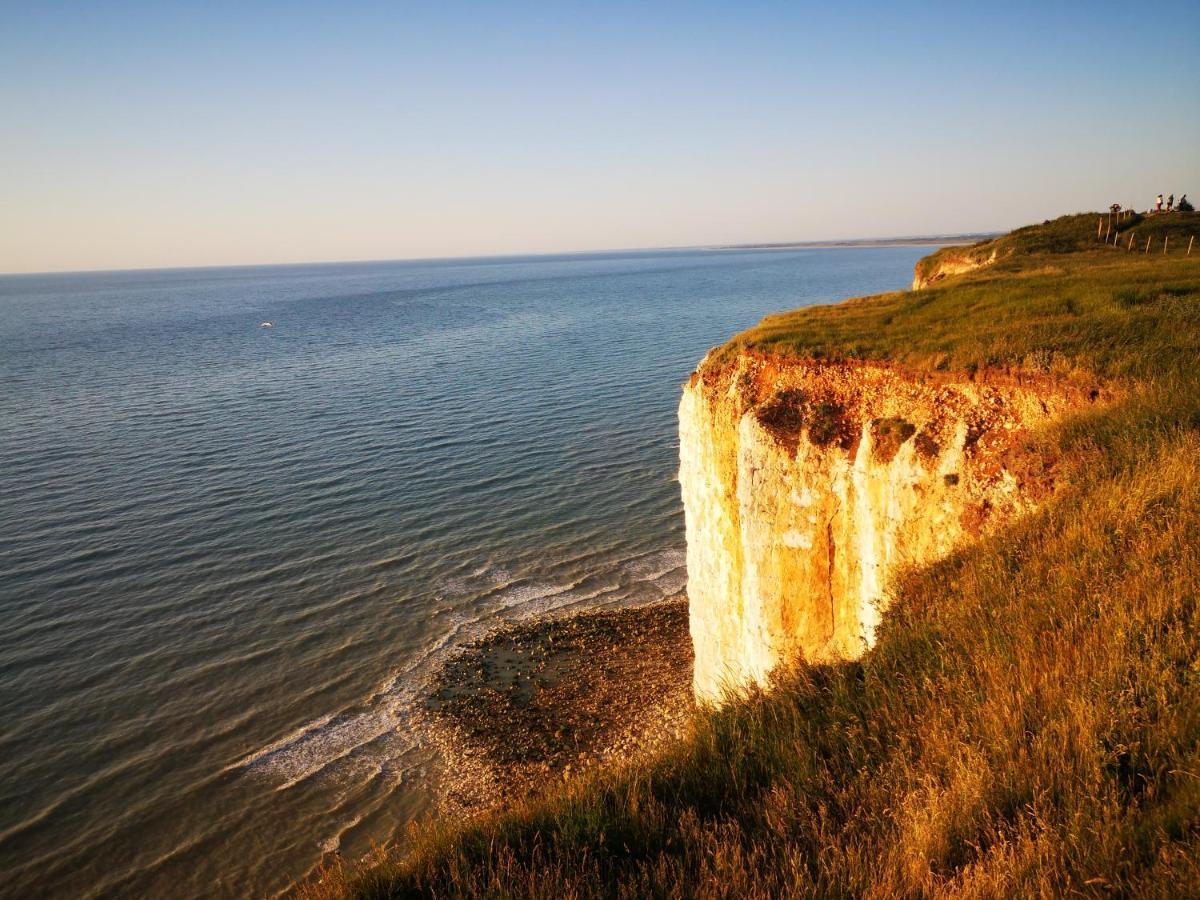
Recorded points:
(1096, 311)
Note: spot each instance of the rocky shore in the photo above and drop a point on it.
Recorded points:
(538, 703)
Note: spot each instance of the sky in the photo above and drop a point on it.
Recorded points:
(162, 134)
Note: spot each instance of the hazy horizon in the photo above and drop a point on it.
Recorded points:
(151, 137)
(765, 246)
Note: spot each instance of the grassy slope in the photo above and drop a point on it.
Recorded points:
(1029, 722)
(1055, 300)
(1072, 234)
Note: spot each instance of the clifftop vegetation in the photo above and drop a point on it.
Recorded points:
(1028, 722)
(1055, 300)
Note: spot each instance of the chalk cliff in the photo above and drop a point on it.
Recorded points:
(807, 484)
(952, 261)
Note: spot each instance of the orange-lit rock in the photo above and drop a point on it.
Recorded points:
(808, 484)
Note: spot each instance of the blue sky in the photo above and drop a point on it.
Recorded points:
(164, 134)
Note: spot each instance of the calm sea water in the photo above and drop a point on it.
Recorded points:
(229, 554)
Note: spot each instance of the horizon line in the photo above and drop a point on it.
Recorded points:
(824, 243)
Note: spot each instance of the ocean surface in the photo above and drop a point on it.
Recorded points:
(230, 554)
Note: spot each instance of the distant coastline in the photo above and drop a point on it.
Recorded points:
(941, 240)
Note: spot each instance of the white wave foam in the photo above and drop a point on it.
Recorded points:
(280, 744)
(333, 843)
(356, 743)
(673, 583)
(653, 566)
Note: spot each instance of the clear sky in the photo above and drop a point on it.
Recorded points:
(164, 134)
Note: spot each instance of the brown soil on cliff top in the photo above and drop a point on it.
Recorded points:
(538, 703)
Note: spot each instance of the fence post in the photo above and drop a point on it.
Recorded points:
(1106, 234)
(1099, 227)
(1192, 241)
(1165, 244)
(1130, 241)
(1147, 250)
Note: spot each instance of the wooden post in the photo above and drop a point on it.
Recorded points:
(1192, 241)
(1099, 227)
(1147, 250)
(1106, 233)
(1130, 247)
(1164, 245)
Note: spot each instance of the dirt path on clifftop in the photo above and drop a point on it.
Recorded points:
(541, 702)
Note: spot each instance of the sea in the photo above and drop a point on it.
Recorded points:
(233, 552)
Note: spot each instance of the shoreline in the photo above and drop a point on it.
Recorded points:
(542, 702)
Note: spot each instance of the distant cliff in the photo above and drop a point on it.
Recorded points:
(953, 261)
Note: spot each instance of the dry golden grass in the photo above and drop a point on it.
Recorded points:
(1028, 723)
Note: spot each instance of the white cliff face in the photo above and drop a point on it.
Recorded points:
(807, 486)
(935, 268)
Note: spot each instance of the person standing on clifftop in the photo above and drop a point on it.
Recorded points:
(1158, 204)
(1170, 202)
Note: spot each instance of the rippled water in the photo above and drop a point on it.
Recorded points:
(229, 553)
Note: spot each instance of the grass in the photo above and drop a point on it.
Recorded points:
(1073, 234)
(1028, 723)
(1092, 310)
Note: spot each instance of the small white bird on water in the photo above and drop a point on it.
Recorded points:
(265, 325)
